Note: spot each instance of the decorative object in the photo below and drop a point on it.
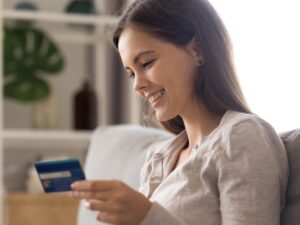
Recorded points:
(45, 113)
(85, 108)
(85, 100)
(81, 6)
(29, 55)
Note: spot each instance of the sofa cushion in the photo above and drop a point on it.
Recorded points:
(290, 215)
(117, 152)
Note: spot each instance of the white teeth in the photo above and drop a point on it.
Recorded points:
(156, 96)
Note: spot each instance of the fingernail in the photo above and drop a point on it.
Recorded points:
(73, 185)
(87, 204)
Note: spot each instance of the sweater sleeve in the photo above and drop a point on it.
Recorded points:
(159, 216)
(251, 173)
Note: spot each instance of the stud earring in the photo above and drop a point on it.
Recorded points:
(200, 62)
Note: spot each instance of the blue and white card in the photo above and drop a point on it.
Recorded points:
(58, 175)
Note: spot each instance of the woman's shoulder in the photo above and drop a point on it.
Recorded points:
(241, 131)
(244, 124)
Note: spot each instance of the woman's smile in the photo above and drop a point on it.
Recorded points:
(155, 98)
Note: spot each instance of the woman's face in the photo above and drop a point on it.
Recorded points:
(163, 73)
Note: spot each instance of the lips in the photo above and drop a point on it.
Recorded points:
(153, 98)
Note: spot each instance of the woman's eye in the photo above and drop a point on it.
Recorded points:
(148, 63)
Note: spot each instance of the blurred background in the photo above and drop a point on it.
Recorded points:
(266, 35)
(62, 78)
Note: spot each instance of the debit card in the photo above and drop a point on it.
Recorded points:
(58, 175)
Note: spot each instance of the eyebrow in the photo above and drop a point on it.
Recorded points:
(136, 58)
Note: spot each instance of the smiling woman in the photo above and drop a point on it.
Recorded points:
(218, 90)
(225, 165)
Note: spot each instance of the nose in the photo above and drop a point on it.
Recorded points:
(140, 83)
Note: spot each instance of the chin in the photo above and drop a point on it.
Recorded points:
(162, 117)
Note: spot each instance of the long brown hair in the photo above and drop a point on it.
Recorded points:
(179, 21)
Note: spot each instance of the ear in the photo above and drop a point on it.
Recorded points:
(193, 48)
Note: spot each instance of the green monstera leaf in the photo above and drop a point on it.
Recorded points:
(29, 55)
(26, 89)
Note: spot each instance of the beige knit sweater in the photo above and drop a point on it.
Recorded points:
(237, 176)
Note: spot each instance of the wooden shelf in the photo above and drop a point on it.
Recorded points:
(54, 17)
(46, 209)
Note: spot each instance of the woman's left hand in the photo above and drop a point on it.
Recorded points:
(116, 202)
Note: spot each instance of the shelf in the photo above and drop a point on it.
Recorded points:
(78, 19)
(56, 140)
(75, 39)
(47, 135)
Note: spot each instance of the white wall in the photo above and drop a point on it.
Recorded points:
(266, 38)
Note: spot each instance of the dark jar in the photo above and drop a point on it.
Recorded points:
(85, 108)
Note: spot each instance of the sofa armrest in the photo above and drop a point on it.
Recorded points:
(290, 215)
(117, 152)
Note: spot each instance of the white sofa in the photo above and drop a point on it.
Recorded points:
(118, 152)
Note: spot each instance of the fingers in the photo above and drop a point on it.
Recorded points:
(104, 196)
(106, 218)
(115, 202)
(105, 207)
(94, 189)
(108, 212)
(95, 185)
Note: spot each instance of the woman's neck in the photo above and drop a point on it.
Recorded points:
(198, 125)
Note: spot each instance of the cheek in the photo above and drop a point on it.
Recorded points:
(183, 75)
(174, 73)
(157, 75)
